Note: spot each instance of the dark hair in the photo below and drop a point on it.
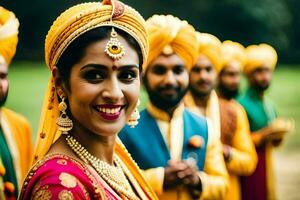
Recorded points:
(76, 50)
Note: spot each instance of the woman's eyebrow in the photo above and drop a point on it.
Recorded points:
(93, 65)
(126, 67)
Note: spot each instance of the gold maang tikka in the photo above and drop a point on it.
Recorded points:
(114, 48)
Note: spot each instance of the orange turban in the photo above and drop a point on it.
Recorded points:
(260, 55)
(233, 52)
(210, 46)
(9, 25)
(168, 34)
(72, 23)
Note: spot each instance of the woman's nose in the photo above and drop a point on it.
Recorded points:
(112, 91)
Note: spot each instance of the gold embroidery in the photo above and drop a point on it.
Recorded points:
(65, 195)
(67, 180)
(43, 193)
(62, 162)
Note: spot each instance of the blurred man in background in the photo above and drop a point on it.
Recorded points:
(267, 130)
(15, 134)
(238, 148)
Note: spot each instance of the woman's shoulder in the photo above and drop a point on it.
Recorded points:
(59, 177)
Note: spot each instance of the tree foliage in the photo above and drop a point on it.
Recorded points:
(275, 22)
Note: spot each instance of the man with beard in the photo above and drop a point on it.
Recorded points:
(180, 158)
(238, 148)
(202, 98)
(15, 136)
(266, 129)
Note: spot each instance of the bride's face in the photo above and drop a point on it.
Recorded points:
(104, 92)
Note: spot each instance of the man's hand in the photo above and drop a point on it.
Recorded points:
(173, 174)
(273, 132)
(183, 173)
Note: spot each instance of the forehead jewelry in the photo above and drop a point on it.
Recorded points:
(114, 48)
(114, 68)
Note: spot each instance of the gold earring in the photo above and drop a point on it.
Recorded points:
(64, 123)
(114, 48)
(134, 117)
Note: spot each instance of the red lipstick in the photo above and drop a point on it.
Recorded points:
(109, 112)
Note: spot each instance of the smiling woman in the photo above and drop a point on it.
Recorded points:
(95, 52)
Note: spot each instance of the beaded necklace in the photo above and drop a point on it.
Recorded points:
(113, 175)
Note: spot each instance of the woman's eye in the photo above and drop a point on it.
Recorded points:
(127, 76)
(94, 75)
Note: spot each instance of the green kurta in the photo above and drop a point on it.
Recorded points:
(261, 112)
(10, 175)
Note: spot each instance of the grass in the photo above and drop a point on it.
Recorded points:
(28, 82)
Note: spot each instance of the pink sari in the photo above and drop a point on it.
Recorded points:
(62, 177)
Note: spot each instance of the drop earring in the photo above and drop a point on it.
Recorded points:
(134, 117)
(64, 123)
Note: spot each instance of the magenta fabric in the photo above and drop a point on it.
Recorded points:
(62, 177)
(254, 187)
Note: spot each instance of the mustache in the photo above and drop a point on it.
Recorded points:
(200, 82)
(168, 87)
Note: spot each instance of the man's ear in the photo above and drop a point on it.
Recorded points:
(60, 86)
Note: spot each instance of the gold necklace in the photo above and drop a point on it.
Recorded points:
(113, 175)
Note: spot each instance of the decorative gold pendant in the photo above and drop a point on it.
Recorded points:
(114, 48)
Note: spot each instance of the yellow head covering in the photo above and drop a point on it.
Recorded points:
(168, 34)
(67, 27)
(233, 52)
(260, 55)
(210, 46)
(9, 26)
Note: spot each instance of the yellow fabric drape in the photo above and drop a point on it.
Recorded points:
(9, 26)
(211, 111)
(259, 56)
(17, 132)
(243, 157)
(167, 35)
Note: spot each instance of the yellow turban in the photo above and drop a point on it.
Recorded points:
(66, 28)
(9, 26)
(168, 34)
(233, 52)
(260, 55)
(210, 46)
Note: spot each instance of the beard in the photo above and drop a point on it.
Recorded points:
(261, 87)
(163, 101)
(3, 98)
(228, 93)
(199, 93)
